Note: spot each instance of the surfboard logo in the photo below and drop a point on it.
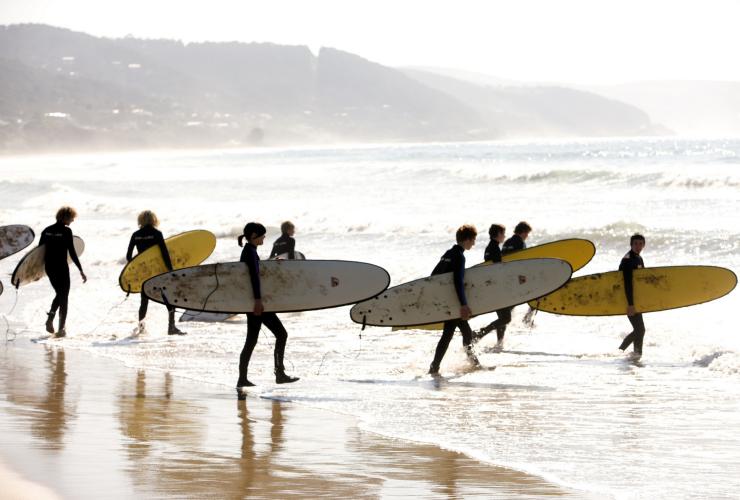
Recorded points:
(334, 282)
(522, 279)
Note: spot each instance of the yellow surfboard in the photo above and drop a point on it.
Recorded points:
(655, 289)
(185, 249)
(575, 251)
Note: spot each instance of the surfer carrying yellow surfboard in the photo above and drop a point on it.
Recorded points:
(58, 240)
(631, 261)
(453, 261)
(254, 233)
(145, 237)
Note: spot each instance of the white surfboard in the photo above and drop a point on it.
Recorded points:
(487, 288)
(287, 285)
(284, 256)
(205, 317)
(14, 238)
(31, 266)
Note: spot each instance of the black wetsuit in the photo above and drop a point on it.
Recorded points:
(453, 261)
(513, 244)
(284, 244)
(630, 262)
(255, 322)
(59, 241)
(492, 253)
(145, 238)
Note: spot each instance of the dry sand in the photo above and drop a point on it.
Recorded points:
(80, 426)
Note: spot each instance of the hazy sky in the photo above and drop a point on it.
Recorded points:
(577, 41)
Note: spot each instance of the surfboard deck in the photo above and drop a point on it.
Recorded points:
(186, 249)
(487, 288)
(655, 289)
(287, 285)
(205, 317)
(31, 266)
(14, 238)
(575, 251)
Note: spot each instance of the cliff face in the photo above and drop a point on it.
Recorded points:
(66, 90)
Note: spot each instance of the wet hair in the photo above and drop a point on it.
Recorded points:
(522, 227)
(637, 237)
(495, 230)
(66, 213)
(147, 218)
(286, 226)
(465, 232)
(252, 228)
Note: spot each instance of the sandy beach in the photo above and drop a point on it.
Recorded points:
(76, 426)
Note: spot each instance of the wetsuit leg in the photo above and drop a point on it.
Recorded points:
(504, 318)
(273, 323)
(143, 307)
(467, 333)
(59, 279)
(254, 323)
(447, 331)
(637, 334)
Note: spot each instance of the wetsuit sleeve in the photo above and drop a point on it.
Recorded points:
(291, 248)
(458, 276)
(254, 273)
(274, 251)
(626, 267)
(165, 252)
(130, 251)
(42, 240)
(71, 248)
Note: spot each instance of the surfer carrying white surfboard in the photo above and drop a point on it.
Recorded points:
(254, 233)
(629, 263)
(453, 261)
(145, 237)
(513, 244)
(493, 254)
(285, 243)
(58, 241)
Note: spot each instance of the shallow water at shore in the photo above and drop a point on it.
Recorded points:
(560, 402)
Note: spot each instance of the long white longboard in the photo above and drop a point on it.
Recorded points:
(31, 266)
(287, 285)
(487, 288)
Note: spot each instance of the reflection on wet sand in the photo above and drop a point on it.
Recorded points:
(157, 436)
(48, 414)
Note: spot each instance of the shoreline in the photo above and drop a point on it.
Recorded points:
(146, 432)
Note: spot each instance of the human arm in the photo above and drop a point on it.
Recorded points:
(249, 257)
(627, 273)
(165, 252)
(69, 240)
(291, 248)
(130, 251)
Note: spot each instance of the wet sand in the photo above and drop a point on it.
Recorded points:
(87, 427)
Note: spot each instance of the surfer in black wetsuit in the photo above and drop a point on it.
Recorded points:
(59, 241)
(453, 261)
(254, 233)
(629, 263)
(285, 243)
(146, 237)
(513, 244)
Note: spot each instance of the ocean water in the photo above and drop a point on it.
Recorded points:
(560, 401)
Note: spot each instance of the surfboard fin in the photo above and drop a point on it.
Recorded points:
(364, 318)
